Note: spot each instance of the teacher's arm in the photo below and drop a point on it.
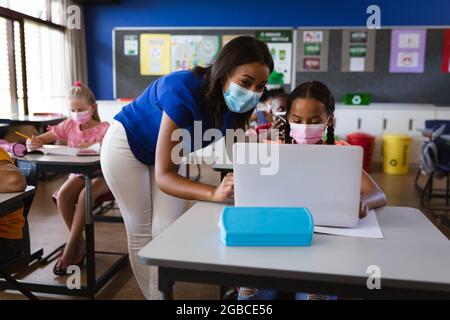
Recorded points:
(170, 182)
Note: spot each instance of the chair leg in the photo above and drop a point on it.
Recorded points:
(18, 286)
(447, 190)
(51, 256)
(424, 192)
(430, 187)
(416, 180)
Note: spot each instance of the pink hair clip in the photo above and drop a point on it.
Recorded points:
(77, 84)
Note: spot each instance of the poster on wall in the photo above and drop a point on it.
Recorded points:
(130, 45)
(407, 51)
(155, 54)
(280, 46)
(189, 51)
(445, 65)
(358, 51)
(312, 50)
(228, 37)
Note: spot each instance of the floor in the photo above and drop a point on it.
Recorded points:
(48, 231)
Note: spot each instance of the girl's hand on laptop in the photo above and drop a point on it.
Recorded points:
(225, 191)
(363, 209)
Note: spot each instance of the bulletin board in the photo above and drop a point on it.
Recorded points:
(128, 80)
(432, 86)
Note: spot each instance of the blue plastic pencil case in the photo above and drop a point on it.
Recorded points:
(266, 226)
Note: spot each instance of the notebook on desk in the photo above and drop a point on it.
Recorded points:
(49, 149)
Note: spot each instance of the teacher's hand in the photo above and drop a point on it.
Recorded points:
(225, 191)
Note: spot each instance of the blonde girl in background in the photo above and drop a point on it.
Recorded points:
(81, 130)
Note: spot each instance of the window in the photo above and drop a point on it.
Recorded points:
(45, 68)
(44, 10)
(5, 94)
(18, 62)
(57, 11)
(32, 42)
(34, 8)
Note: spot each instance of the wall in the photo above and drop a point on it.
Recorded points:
(101, 19)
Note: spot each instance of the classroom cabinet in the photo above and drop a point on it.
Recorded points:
(346, 121)
(406, 121)
(350, 120)
(377, 121)
(371, 122)
(442, 113)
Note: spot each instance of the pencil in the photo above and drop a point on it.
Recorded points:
(22, 135)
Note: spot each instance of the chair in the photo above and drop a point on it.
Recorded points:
(435, 162)
(7, 267)
(102, 204)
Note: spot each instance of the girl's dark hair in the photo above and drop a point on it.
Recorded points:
(273, 93)
(316, 90)
(239, 51)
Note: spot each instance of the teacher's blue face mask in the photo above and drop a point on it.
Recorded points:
(239, 99)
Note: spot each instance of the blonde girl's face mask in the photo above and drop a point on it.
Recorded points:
(82, 117)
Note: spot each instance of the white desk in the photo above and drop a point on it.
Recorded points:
(86, 165)
(40, 122)
(414, 258)
(55, 162)
(12, 201)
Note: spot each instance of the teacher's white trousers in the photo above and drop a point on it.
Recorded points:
(145, 209)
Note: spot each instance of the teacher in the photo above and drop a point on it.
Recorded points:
(136, 156)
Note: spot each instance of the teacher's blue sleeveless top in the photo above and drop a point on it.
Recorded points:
(179, 95)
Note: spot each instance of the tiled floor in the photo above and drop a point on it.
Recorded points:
(48, 231)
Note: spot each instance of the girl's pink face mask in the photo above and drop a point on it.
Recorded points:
(81, 117)
(307, 133)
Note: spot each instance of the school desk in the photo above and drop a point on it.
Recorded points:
(3, 129)
(413, 258)
(40, 122)
(85, 165)
(12, 201)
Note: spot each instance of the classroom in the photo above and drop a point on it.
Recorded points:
(225, 151)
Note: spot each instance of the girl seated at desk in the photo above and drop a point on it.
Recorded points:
(272, 103)
(83, 129)
(310, 113)
(11, 224)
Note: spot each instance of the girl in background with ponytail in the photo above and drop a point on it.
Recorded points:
(310, 115)
(81, 130)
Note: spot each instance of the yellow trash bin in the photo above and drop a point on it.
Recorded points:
(396, 149)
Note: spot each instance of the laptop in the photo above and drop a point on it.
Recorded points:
(325, 179)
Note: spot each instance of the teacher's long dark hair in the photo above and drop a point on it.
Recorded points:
(239, 51)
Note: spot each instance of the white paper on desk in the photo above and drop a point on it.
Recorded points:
(366, 228)
(69, 151)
